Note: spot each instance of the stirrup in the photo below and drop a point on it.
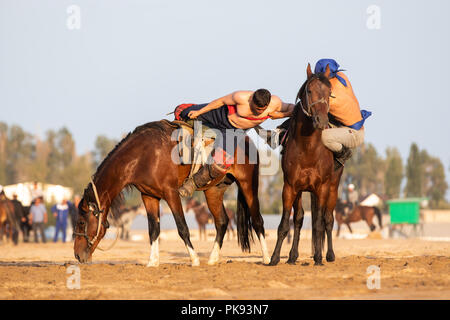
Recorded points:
(187, 189)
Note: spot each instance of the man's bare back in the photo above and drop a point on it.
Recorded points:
(248, 113)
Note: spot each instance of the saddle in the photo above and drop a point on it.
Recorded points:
(193, 147)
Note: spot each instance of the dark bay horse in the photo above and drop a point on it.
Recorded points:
(143, 160)
(309, 166)
(359, 213)
(203, 217)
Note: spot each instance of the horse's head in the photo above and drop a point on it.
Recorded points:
(314, 97)
(91, 226)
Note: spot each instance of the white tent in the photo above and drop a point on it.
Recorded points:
(372, 201)
(52, 193)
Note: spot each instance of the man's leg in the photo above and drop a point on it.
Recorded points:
(64, 229)
(57, 228)
(219, 162)
(42, 229)
(340, 141)
(35, 231)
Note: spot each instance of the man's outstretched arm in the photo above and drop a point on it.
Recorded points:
(284, 110)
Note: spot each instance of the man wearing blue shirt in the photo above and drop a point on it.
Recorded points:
(61, 212)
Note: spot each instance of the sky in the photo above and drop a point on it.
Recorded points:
(108, 66)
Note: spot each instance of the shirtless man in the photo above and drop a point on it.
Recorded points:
(239, 110)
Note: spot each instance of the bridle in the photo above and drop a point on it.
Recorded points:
(307, 112)
(96, 210)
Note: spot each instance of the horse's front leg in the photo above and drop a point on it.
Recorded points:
(329, 223)
(214, 199)
(175, 205)
(298, 223)
(152, 207)
(289, 197)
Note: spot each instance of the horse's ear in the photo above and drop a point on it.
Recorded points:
(308, 71)
(327, 71)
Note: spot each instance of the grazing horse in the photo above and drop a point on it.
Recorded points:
(143, 159)
(203, 217)
(358, 213)
(309, 166)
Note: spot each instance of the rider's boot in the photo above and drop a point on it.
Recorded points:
(206, 174)
(341, 156)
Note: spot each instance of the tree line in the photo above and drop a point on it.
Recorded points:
(53, 159)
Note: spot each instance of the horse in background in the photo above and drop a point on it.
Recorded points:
(345, 215)
(123, 219)
(204, 217)
(8, 223)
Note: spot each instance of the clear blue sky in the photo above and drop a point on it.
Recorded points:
(134, 61)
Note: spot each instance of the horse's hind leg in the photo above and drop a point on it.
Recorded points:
(214, 198)
(174, 202)
(152, 207)
(298, 223)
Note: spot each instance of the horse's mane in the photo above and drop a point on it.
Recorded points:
(159, 130)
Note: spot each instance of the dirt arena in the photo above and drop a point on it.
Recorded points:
(409, 269)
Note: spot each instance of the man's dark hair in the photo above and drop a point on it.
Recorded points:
(261, 98)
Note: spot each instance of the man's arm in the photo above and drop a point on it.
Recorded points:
(230, 99)
(282, 109)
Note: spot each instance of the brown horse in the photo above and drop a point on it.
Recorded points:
(204, 217)
(143, 159)
(8, 225)
(357, 214)
(309, 166)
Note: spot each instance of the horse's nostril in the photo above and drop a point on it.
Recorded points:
(77, 256)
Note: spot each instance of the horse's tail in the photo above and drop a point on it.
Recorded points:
(243, 222)
(378, 214)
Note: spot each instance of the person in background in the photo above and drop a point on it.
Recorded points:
(73, 213)
(36, 192)
(21, 218)
(352, 197)
(61, 213)
(38, 218)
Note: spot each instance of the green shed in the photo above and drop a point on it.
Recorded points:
(405, 210)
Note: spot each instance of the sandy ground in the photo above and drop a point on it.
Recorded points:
(409, 269)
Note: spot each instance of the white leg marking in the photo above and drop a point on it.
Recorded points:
(194, 257)
(214, 257)
(265, 252)
(154, 254)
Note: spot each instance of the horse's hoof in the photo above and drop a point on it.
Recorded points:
(266, 260)
(291, 262)
(213, 262)
(153, 264)
(196, 263)
(330, 257)
(273, 262)
(318, 263)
